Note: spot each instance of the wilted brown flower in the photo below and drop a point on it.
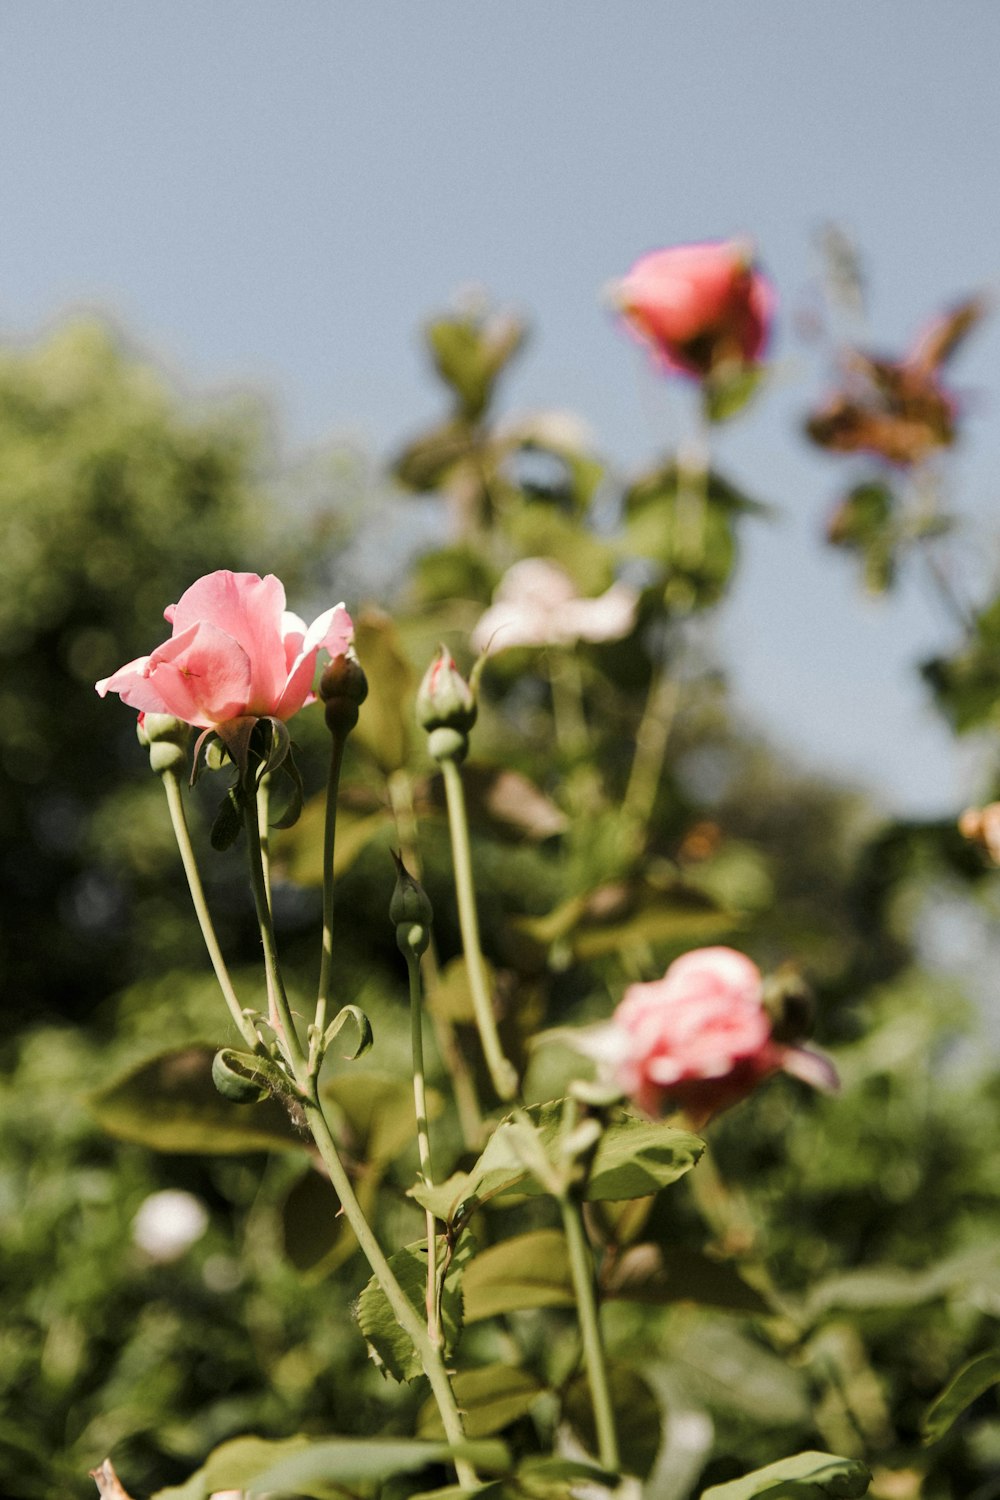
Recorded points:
(897, 409)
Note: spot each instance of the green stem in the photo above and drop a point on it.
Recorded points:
(281, 1017)
(469, 1114)
(423, 1137)
(582, 1272)
(263, 833)
(501, 1071)
(402, 1308)
(326, 954)
(653, 734)
(175, 802)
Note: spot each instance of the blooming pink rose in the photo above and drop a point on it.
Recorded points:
(234, 652)
(699, 306)
(699, 1039)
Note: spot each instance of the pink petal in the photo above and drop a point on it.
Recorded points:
(201, 676)
(812, 1068)
(333, 631)
(249, 609)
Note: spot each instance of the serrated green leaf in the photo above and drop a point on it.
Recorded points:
(390, 1346)
(529, 1270)
(170, 1103)
(807, 1476)
(489, 1399)
(633, 1158)
(965, 1386)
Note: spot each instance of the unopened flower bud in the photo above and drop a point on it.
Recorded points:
(343, 688)
(410, 911)
(790, 1003)
(166, 739)
(445, 702)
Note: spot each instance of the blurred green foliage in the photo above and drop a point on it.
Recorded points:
(810, 1285)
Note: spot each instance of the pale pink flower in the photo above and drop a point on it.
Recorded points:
(698, 306)
(234, 652)
(699, 1039)
(536, 604)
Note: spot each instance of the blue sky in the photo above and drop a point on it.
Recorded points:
(275, 195)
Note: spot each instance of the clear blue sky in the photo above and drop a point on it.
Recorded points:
(276, 195)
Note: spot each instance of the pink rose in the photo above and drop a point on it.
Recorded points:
(699, 1039)
(234, 652)
(699, 306)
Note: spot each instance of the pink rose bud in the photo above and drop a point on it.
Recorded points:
(699, 1039)
(234, 652)
(699, 307)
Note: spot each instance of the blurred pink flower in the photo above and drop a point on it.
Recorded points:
(234, 652)
(699, 1039)
(536, 604)
(699, 306)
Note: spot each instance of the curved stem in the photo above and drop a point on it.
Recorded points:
(423, 1137)
(501, 1071)
(582, 1272)
(281, 1017)
(326, 953)
(263, 832)
(402, 1308)
(175, 802)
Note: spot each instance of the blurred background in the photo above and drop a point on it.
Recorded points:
(224, 232)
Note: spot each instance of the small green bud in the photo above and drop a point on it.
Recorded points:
(166, 739)
(410, 911)
(445, 700)
(343, 688)
(790, 1003)
(233, 1076)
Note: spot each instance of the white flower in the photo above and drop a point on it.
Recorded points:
(168, 1223)
(536, 604)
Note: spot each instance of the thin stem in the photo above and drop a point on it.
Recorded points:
(263, 833)
(326, 953)
(469, 1114)
(653, 734)
(502, 1073)
(423, 1137)
(175, 802)
(281, 1018)
(402, 1308)
(582, 1272)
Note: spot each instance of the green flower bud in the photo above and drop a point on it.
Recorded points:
(445, 700)
(343, 688)
(790, 1003)
(166, 739)
(410, 911)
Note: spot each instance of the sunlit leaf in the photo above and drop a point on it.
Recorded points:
(384, 724)
(966, 1386)
(319, 1468)
(529, 1270)
(807, 1476)
(489, 1399)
